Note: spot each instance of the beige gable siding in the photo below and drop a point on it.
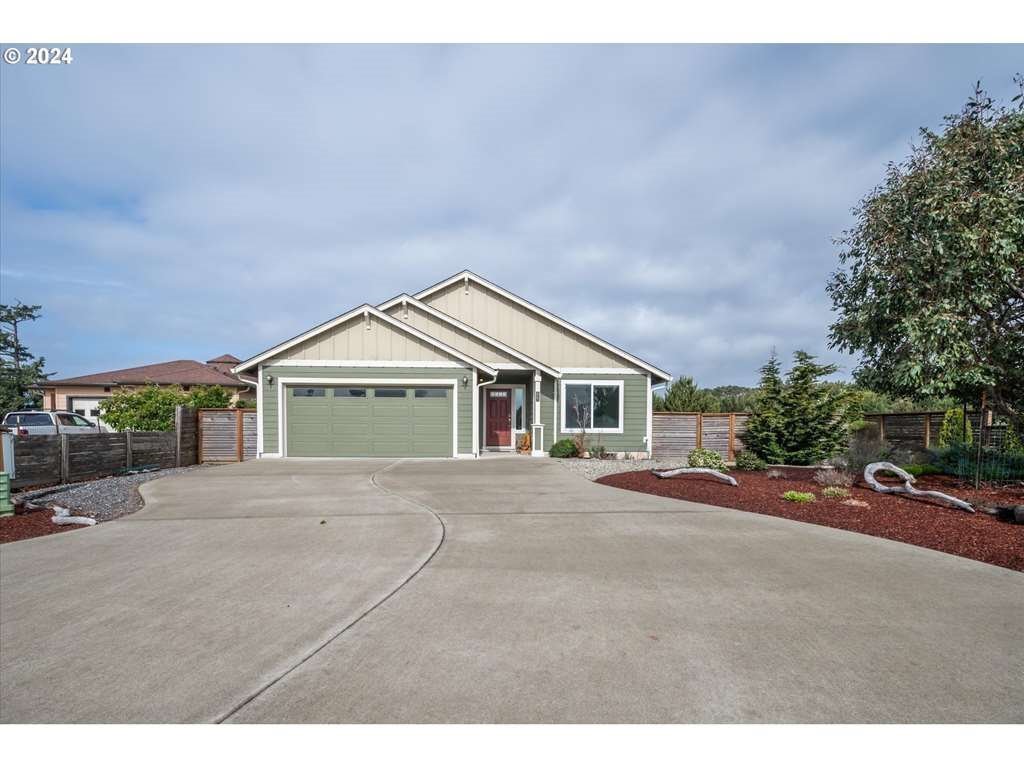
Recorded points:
(442, 331)
(353, 341)
(520, 328)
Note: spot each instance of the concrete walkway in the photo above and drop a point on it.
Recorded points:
(530, 595)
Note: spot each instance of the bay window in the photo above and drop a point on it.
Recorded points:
(595, 406)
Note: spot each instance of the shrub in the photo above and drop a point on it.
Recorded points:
(775, 474)
(954, 429)
(919, 470)
(866, 447)
(564, 448)
(149, 409)
(706, 459)
(598, 452)
(835, 492)
(833, 477)
(245, 403)
(799, 497)
(750, 461)
(214, 396)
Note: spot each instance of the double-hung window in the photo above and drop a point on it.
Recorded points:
(595, 406)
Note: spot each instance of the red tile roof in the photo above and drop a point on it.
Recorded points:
(189, 372)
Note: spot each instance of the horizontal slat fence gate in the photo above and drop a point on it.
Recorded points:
(70, 458)
(676, 434)
(226, 434)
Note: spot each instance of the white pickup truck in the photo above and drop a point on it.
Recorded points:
(24, 423)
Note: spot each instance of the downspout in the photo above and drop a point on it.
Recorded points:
(479, 423)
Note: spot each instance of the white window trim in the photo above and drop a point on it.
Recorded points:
(595, 430)
(282, 404)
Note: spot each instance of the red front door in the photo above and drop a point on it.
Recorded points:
(498, 431)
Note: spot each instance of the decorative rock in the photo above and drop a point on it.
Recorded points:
(908, 485)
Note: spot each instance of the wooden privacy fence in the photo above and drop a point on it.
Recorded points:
(919, 430)
(52, 459)
(676, 434)
(227, 434)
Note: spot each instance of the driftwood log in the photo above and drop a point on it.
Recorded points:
(63, 516)
(665, 473)
(908, 485)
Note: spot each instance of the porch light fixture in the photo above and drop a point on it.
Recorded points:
(270, 379)
(465, 381)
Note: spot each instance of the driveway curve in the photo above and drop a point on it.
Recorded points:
(552, 599)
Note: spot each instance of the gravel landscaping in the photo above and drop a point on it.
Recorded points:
(104, 499)
(592, 469)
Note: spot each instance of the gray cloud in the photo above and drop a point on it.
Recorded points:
(178, 201)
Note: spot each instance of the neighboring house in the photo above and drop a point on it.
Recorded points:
(83, 394)
(461, 367)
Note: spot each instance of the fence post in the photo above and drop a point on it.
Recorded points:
(700, 429)
(129, 459)
(732, 437)
(238, 434)
(199, 435)
(65, 462)
(927, 430)
(881, 426)
(177, 435)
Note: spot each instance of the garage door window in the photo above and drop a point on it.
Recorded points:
(389, 393)
(346, 392)
(310, 392)
(435, 392)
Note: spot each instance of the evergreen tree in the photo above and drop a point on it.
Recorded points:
(766, 425)
(20, 370)
(955, 429)
(684, 396)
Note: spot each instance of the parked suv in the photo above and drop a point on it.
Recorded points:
(49, 423)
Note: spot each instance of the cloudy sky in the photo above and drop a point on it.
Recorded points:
(167, 202)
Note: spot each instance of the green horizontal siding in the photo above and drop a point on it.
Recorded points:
(270, 405)
(634, 406)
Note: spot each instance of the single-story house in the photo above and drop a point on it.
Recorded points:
(458, 368)
(83, 394)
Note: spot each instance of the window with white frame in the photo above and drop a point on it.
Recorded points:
(595, 406)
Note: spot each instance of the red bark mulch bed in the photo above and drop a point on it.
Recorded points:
(978, 536)
(29, 523)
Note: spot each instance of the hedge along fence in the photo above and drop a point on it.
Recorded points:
(919, 430)
(676, 434)
(66, 458)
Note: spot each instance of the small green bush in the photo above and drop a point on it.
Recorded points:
(835, 492)
(799, 497)
(563, 449)
(245, 403)
(919, 470)
(750, 461)
(952, 430)
(706, 459)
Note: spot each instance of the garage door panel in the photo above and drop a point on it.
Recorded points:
(343, 423)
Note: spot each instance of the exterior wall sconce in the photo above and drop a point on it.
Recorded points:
(270, 379)
(465, 381)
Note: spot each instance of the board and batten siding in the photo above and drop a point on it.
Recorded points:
(353, 340)
(520, 328)
(466, 343)
(355, 375)
(634, 412)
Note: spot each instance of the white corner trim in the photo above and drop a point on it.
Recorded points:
(649, 439)
(298, 363)
(367, 310)
(467, 275)
(599, 382)
(476, 416)
(259, 411)
(530, 362)
(282, 404)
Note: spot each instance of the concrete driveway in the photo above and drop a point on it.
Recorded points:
(503, 590)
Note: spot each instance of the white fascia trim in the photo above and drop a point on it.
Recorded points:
(601, 430)
(283, 381)
(456, 323)
(606, 371)
(512, 367)
(295, 363)
(367, 310)
(466, 274)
